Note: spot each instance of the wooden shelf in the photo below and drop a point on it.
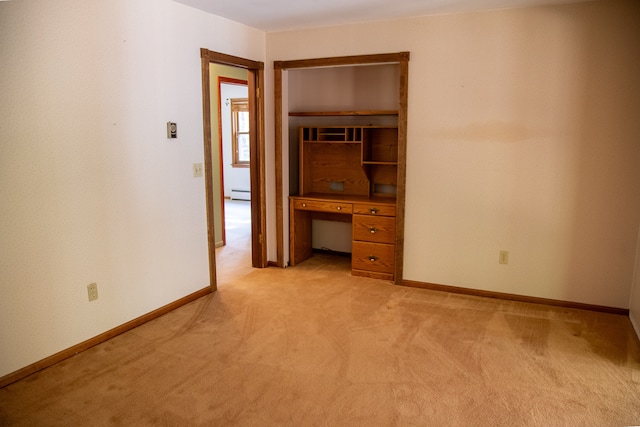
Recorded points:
(343, 113)
(352, 160)
(315, 141)
(367, 162)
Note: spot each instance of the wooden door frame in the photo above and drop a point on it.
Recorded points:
(255, 83)
(400, 58)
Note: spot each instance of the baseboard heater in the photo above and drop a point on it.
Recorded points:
(240, 195)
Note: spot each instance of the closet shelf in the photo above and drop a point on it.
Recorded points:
(370, 162)
(343, 113)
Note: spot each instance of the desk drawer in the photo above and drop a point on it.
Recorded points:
(374, 209)
(319, 206)
(377, 257)
(369, 228)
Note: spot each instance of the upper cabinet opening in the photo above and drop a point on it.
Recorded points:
(351, 88)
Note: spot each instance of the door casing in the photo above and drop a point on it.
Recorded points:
(255, 82)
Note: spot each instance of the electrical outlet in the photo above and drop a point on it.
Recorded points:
(504, 257)
(92, 291)
(197, 169)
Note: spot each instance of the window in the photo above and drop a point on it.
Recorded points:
(240, 132)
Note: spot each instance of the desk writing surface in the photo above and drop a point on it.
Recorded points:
(347, 198)
(329, 207)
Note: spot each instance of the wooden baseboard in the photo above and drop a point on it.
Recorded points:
(514, 297)
(85, 345)
(272, 264)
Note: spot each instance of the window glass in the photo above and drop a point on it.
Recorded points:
(240, 132)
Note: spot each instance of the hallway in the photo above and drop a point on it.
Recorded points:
(234, 259)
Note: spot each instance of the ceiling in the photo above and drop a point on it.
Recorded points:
(280, 15)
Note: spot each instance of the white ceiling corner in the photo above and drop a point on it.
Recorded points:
(281, 15)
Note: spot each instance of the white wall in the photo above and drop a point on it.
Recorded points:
(522, 136)
(91, 189)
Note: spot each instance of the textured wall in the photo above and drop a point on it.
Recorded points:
(91, 189)
(522, 136)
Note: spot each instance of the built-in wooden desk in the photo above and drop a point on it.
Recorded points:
(349, 174)
(373, 229)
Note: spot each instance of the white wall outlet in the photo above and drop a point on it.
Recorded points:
(92, 291)
(504, 257)
(198, 169)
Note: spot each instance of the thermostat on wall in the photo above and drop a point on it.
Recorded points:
(172, 130)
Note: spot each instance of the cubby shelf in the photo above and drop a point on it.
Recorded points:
(362, 158)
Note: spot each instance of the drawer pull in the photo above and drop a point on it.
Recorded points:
(304, 205)
(339, 208)
(373, 230)
(373, 258)
(373, 211)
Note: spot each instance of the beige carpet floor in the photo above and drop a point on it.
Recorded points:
(314, 346)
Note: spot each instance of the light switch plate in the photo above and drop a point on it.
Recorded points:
(172, 130)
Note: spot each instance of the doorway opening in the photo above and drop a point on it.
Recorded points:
(353, 113)
(254, 77)
(234, 152)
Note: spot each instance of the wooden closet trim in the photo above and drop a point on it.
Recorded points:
(337, 61)
(277, 90)
(401, 58)
(403, 100)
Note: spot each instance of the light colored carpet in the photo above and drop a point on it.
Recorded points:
(314, 346)
(234, 259)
